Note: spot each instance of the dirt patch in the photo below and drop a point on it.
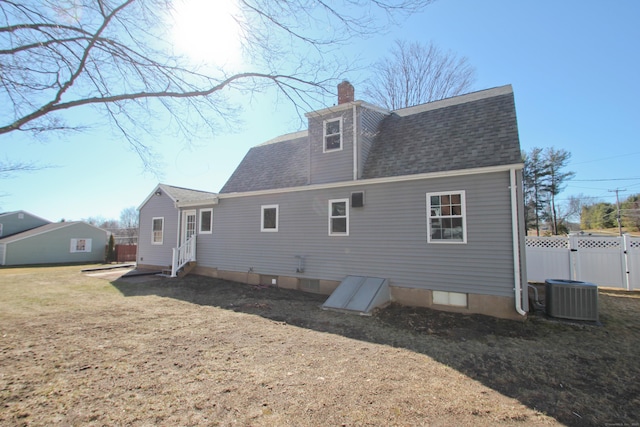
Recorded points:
(78, 350)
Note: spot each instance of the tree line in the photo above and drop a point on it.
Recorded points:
(605, 215)
(125, 229)
(544, 179)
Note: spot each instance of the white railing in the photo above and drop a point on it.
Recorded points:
(183, 255)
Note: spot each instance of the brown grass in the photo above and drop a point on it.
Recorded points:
(79, 350)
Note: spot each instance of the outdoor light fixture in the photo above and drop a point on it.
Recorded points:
(158, 193)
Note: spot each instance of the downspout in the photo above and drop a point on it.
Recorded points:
(355, 145)
(516, 246)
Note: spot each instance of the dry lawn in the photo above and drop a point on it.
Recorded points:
(91, 350)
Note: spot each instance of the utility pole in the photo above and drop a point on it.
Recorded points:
(617, 190)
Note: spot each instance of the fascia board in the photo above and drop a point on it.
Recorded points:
(193, 203)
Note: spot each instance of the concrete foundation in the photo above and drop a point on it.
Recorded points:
(490, 305)
(496, 306)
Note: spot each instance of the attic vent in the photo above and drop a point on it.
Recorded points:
(357, 199)
(570, 299)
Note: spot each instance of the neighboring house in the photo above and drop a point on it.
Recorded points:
(18, 221)
(427, 200)
(54, 243)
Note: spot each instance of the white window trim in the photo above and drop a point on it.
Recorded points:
(346, 204)
(200, 230)
(324, 135)
(153, 242)
(463, 207)
(74, 246)
(262, 209)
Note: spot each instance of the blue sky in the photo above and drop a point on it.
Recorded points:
(574, 66)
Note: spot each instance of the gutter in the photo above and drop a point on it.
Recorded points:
(516, 246)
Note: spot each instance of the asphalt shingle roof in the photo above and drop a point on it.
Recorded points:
(470, 131)
(180, 194)
(473, 134)
(38, 230)
(280, 164)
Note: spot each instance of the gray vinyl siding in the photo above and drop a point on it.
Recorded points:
(334, 166)
(387, 237)
(148, 253)
(12, 224)
(53, 246)
(369, 122)
(2, 250)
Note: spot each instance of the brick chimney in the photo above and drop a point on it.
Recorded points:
(345, 92)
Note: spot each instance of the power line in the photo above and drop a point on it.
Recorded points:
(607, 179)
(605, 158)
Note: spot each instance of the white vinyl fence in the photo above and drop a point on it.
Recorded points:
(605, 261)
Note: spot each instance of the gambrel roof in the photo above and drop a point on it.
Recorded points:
(469, 131)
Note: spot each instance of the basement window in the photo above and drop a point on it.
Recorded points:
(454, 299)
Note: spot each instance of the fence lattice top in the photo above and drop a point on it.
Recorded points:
(581, 242)
(547, 242)
(604, 243)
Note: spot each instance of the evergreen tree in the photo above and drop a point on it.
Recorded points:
(556, 161)
(544, 179)
(111, 249)
(535, 175)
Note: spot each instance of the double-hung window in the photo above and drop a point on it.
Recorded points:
(446, 218)
(80, 245)
(157, 231)
(269, 219)
(206, 221)
(339, 217)
(332, 135)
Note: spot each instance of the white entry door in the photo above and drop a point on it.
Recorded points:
(188, 225)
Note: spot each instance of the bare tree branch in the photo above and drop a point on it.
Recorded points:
(117, 56)
(9, 168)
(415, 73)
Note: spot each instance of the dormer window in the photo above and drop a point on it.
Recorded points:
(332, 135)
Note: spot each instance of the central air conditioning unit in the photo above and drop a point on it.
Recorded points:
(571, 299)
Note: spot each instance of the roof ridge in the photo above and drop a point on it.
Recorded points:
(454, 100)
